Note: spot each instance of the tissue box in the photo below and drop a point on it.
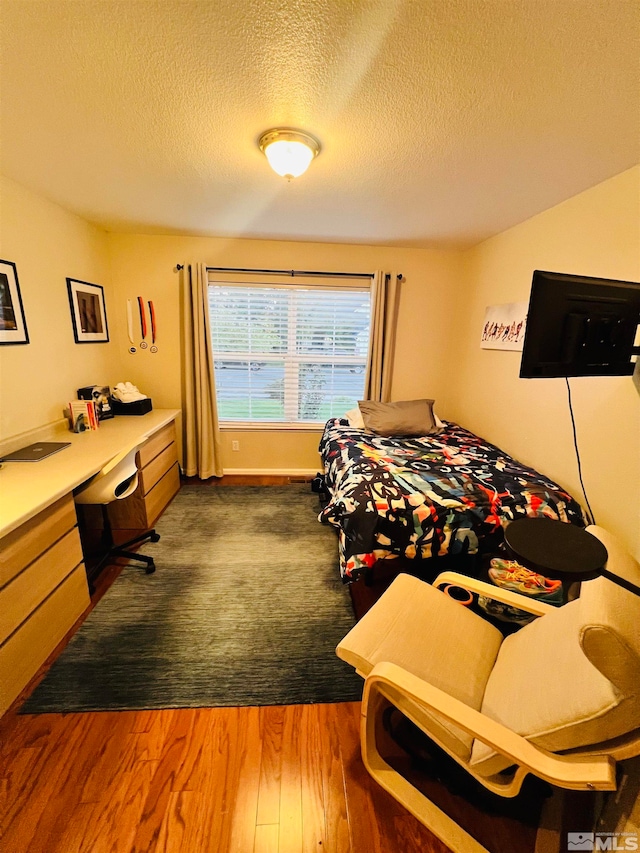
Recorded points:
(137, 407)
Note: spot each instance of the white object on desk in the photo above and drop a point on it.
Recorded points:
(127, 392)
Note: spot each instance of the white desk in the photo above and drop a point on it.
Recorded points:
(26, 488)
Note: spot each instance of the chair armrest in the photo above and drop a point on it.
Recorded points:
(522, 602)
(579, 772)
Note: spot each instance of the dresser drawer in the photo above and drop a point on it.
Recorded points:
(20, 597)
(22, 655)
(155, 444)
(21, 547)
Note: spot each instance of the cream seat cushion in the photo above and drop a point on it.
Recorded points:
(572, 677)
(419, 628)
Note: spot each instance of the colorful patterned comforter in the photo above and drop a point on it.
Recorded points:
(452, 493)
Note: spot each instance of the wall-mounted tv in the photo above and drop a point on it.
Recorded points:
(580, 326)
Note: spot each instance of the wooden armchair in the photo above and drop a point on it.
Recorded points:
(560, 698)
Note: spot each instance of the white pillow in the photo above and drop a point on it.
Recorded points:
(354, 416)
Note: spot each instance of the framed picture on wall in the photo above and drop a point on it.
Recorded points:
(13, 326)
(88, 312)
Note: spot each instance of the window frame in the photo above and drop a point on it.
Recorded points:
(286, 282)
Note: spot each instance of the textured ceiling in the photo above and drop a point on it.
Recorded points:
(441, 121)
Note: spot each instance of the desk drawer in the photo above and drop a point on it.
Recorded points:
(162, 493)
(27, 590)
(21, 547)
(158, 481)
(156, 444)
(140, 510)
(22, 655)
(157, 468)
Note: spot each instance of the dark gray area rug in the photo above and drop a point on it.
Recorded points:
(245, 608)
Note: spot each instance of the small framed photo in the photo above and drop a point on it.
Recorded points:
(87, 312)
(13, 326)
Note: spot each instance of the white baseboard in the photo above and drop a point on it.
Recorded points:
(272, 472)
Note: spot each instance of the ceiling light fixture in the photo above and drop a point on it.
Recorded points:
(288, 151)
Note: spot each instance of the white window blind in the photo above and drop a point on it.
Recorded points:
(288, 354)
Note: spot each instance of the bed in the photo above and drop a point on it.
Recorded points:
(419, 498)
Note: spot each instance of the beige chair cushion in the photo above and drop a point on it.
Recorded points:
(610, 633)
(572, 677)
(420, 629)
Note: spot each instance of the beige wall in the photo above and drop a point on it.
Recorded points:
(47, 244)
(595, 233)
(145, 266)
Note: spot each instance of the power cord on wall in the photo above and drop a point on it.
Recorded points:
(575, 444)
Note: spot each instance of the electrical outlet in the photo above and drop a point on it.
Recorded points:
(235, 445)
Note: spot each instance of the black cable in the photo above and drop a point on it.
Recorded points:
(575, 444)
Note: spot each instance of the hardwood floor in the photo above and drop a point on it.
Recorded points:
(286, 778)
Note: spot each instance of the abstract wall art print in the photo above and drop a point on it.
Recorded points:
(504, 326)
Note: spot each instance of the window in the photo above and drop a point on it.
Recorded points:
(288, 354)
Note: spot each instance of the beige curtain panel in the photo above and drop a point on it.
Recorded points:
(201, 447)
(385, 291)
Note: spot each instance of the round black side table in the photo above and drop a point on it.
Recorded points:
(556, 550)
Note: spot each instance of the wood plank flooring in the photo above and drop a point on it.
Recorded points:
(286, 779)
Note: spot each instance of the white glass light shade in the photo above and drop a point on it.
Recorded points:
(289, 152)
(289, 159)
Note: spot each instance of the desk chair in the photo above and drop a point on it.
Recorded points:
(560, 698)
(116, 481)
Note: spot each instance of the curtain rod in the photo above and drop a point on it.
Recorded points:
(292, 273)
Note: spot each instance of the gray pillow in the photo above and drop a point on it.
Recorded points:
(407, 417)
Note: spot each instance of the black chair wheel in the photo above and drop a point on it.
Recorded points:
(154, 537)
(150, 569)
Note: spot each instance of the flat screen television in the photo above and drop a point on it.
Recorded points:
(580, 326)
